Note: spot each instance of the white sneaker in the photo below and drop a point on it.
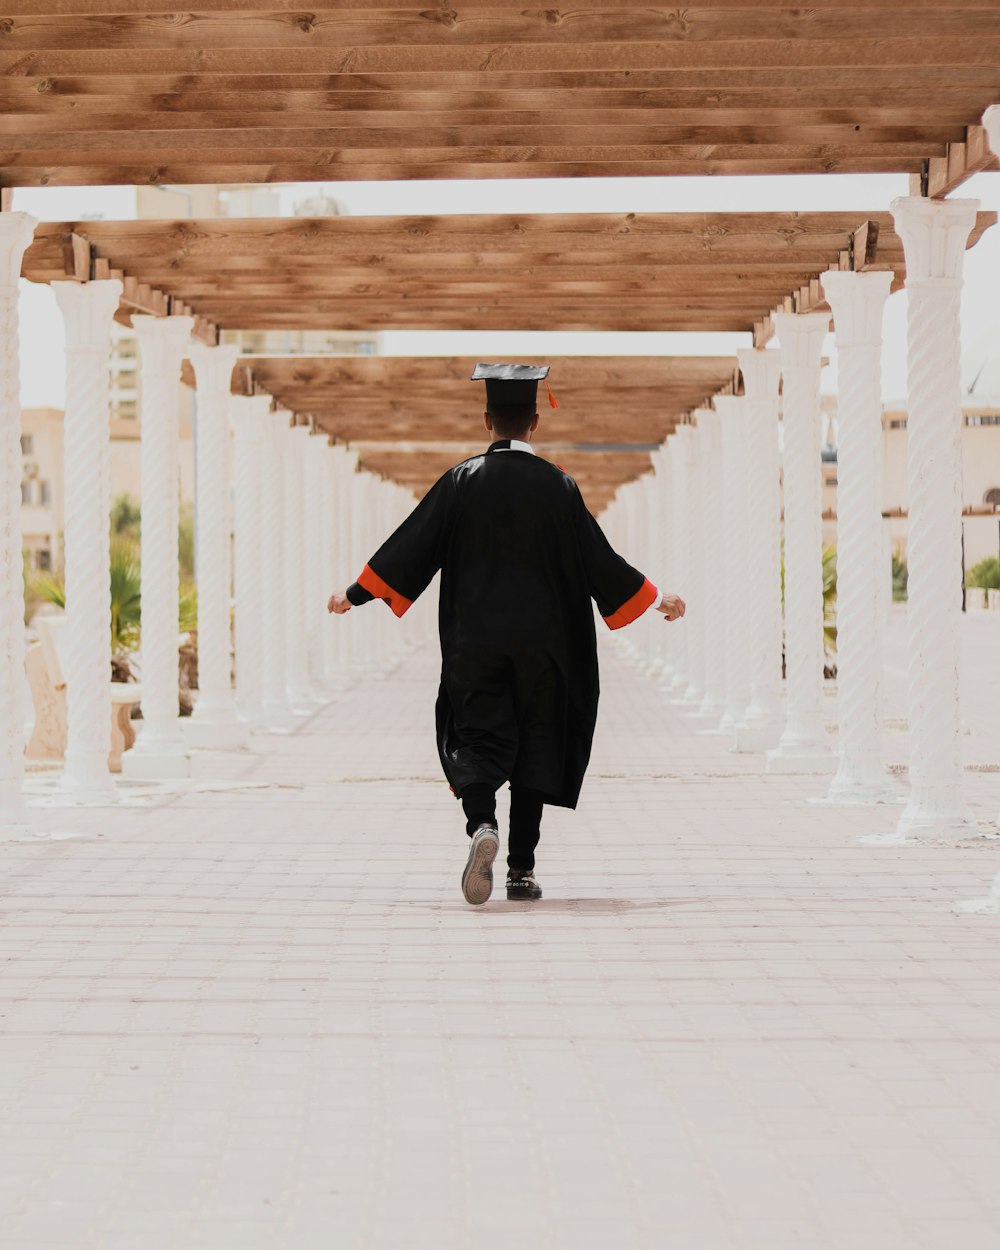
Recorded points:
(477, 880)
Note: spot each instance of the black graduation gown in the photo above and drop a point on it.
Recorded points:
(520, 559)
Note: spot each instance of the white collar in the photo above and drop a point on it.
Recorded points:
(517, 445)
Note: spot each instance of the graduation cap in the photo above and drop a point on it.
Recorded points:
(512, 388)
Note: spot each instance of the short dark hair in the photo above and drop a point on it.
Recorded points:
(512, 423)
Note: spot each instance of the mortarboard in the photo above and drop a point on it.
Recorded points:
(512, 386)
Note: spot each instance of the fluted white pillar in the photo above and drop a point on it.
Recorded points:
(991, 121)
(664, 570)
(934, 235)
(315, 449)
(87, 309)
(804, 745)
(681, 572)
(858, 304)
(694, 535)
(713, 555)
(214, 722)
(276, 709)
(301, 696)
(16, 230)
(732, 411)
(250, 418)
(764, 720)
(160, 750)
(347, 571)
(329, 635)
(363, 633)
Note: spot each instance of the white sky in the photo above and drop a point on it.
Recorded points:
(42, 368)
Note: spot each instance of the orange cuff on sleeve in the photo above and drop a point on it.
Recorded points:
(371, 582)
(632, 608)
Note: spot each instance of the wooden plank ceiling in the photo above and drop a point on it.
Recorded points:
(597, 475)
(413, 417)
(135, 92)
(602, 400)
(586, 271)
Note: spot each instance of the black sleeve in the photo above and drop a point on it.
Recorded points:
(402, 568)
(357, 595)
(620, 591)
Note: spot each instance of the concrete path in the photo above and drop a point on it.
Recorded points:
(257, 1015)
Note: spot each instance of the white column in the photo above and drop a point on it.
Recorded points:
(694, 535)
(362, 635)
(804, 745)
(300, 694)
(732, 410)
(315, 450)
(214, 723)
(250, 417)
(275, 707)
(713, 587)
(16, 230)
(160, 751)
(858, 304)
(991, 120)
(764, 720)
(345, 554)
(330, 635)
(934, 235)
(664, 570)
(87, 309)
(680, 529)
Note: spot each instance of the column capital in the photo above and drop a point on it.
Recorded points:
(761, 371)
(801, 337)
(934, 234)
(991, 123)
(858, 304)
(87, 307)
(213, 366)
(162, 340)
(16, 230)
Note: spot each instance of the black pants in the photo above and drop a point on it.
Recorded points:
(480, 804)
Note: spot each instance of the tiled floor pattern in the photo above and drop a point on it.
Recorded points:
(257, 1015)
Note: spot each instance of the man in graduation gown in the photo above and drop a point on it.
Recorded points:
(521, 560)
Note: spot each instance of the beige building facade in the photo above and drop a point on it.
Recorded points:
(42, 488)
(980, 477)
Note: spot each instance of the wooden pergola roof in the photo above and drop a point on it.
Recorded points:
(617, 400)
(586, 271)
(598, 475)
(134, 92)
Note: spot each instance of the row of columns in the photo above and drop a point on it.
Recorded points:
(728, 459)
(282, 519)
(716, 497)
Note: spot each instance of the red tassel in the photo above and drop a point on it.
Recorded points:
(553, 402)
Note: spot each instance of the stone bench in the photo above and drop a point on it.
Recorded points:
(48, 694)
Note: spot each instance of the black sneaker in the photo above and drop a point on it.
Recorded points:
(522, 886)
(477, 880)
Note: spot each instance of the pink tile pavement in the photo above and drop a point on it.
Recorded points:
(257, 1013)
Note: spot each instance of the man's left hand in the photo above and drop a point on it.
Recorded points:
(672, 607)
(339, 603)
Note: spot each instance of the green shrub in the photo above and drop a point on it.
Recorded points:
(900, 576)
(986, 574)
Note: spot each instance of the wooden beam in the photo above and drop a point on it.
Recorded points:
(77, 258)
(962, 160)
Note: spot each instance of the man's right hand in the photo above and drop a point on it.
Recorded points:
(338, 603)
(672, 607)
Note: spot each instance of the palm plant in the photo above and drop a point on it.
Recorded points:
(125, 602)
(829, 609)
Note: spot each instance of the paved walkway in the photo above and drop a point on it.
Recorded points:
(258, 1016)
